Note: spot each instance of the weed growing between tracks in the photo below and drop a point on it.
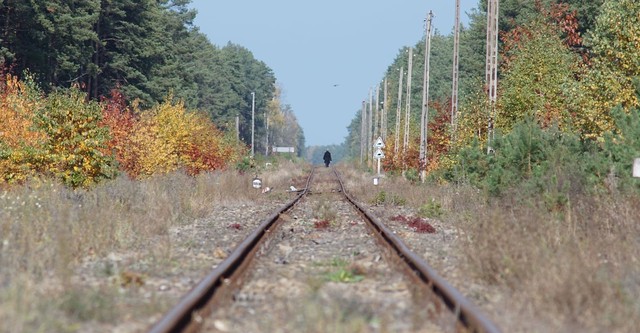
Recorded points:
(324, 213)
(344, 272)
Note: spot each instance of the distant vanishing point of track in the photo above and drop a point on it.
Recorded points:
(323, 263)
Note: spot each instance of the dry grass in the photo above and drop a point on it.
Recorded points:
(46, 230)
(571, 270)
(574, 268)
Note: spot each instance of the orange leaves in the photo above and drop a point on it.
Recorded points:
(120, 120)
(439, 130)
(19, 139)
(57, 135)
(207, 149)
(165, 139)
(15, 119)
(77, 141)
(567, 21)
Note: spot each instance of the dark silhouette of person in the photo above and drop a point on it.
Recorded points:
(327, 158)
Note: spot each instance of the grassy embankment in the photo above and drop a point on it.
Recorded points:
(46, 230)
(565, 268)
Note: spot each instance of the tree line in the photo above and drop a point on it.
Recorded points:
(148, 52)
(567, 79)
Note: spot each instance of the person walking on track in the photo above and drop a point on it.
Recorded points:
(327, 158)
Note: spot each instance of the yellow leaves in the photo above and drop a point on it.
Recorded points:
(64, 136)
(164, 139)
(603, 89)
(17, 136)
(170, 137)
(50, 135)
(154, 155)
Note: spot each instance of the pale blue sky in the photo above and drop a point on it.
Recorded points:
(313, 45)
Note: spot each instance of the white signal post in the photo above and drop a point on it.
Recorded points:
(378, 155)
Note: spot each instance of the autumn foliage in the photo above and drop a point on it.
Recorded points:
(19, 141)
(120, 120)
(164, 139)
(438, 142)
(80, 142)
(73, 149)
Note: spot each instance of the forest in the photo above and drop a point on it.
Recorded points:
(566, 114)
(92, 89)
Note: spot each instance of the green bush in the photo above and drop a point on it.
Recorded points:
(412, 175)
(383, 198)
(611, 167)
(74, 151)
(530, 158)
(555, 165)
(380, 198)
(246, 164)
(432, 209)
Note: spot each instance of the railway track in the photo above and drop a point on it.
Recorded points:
(314, 266)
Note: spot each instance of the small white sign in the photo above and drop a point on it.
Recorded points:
(378, 154)
(283, 149)
(636, 168)
(379, 143)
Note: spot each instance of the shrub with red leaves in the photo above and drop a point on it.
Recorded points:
(421, 226)
(418, 224)
(121, 122)
(323, 224)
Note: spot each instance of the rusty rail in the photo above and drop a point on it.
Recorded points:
(187, 315)
(468, 314)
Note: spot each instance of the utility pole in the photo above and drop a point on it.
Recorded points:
(238, 128)
(370, 129)
(456, 67)
(376, 120)
(407, 122)
(398, 111)
(266, 148)
(383, 117)
(363, 139)
(424, 119)
(492, 68)
(253, 121)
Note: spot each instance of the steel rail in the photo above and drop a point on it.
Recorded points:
(467, 313)
(187, 315)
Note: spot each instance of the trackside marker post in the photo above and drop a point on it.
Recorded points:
(378, 155)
